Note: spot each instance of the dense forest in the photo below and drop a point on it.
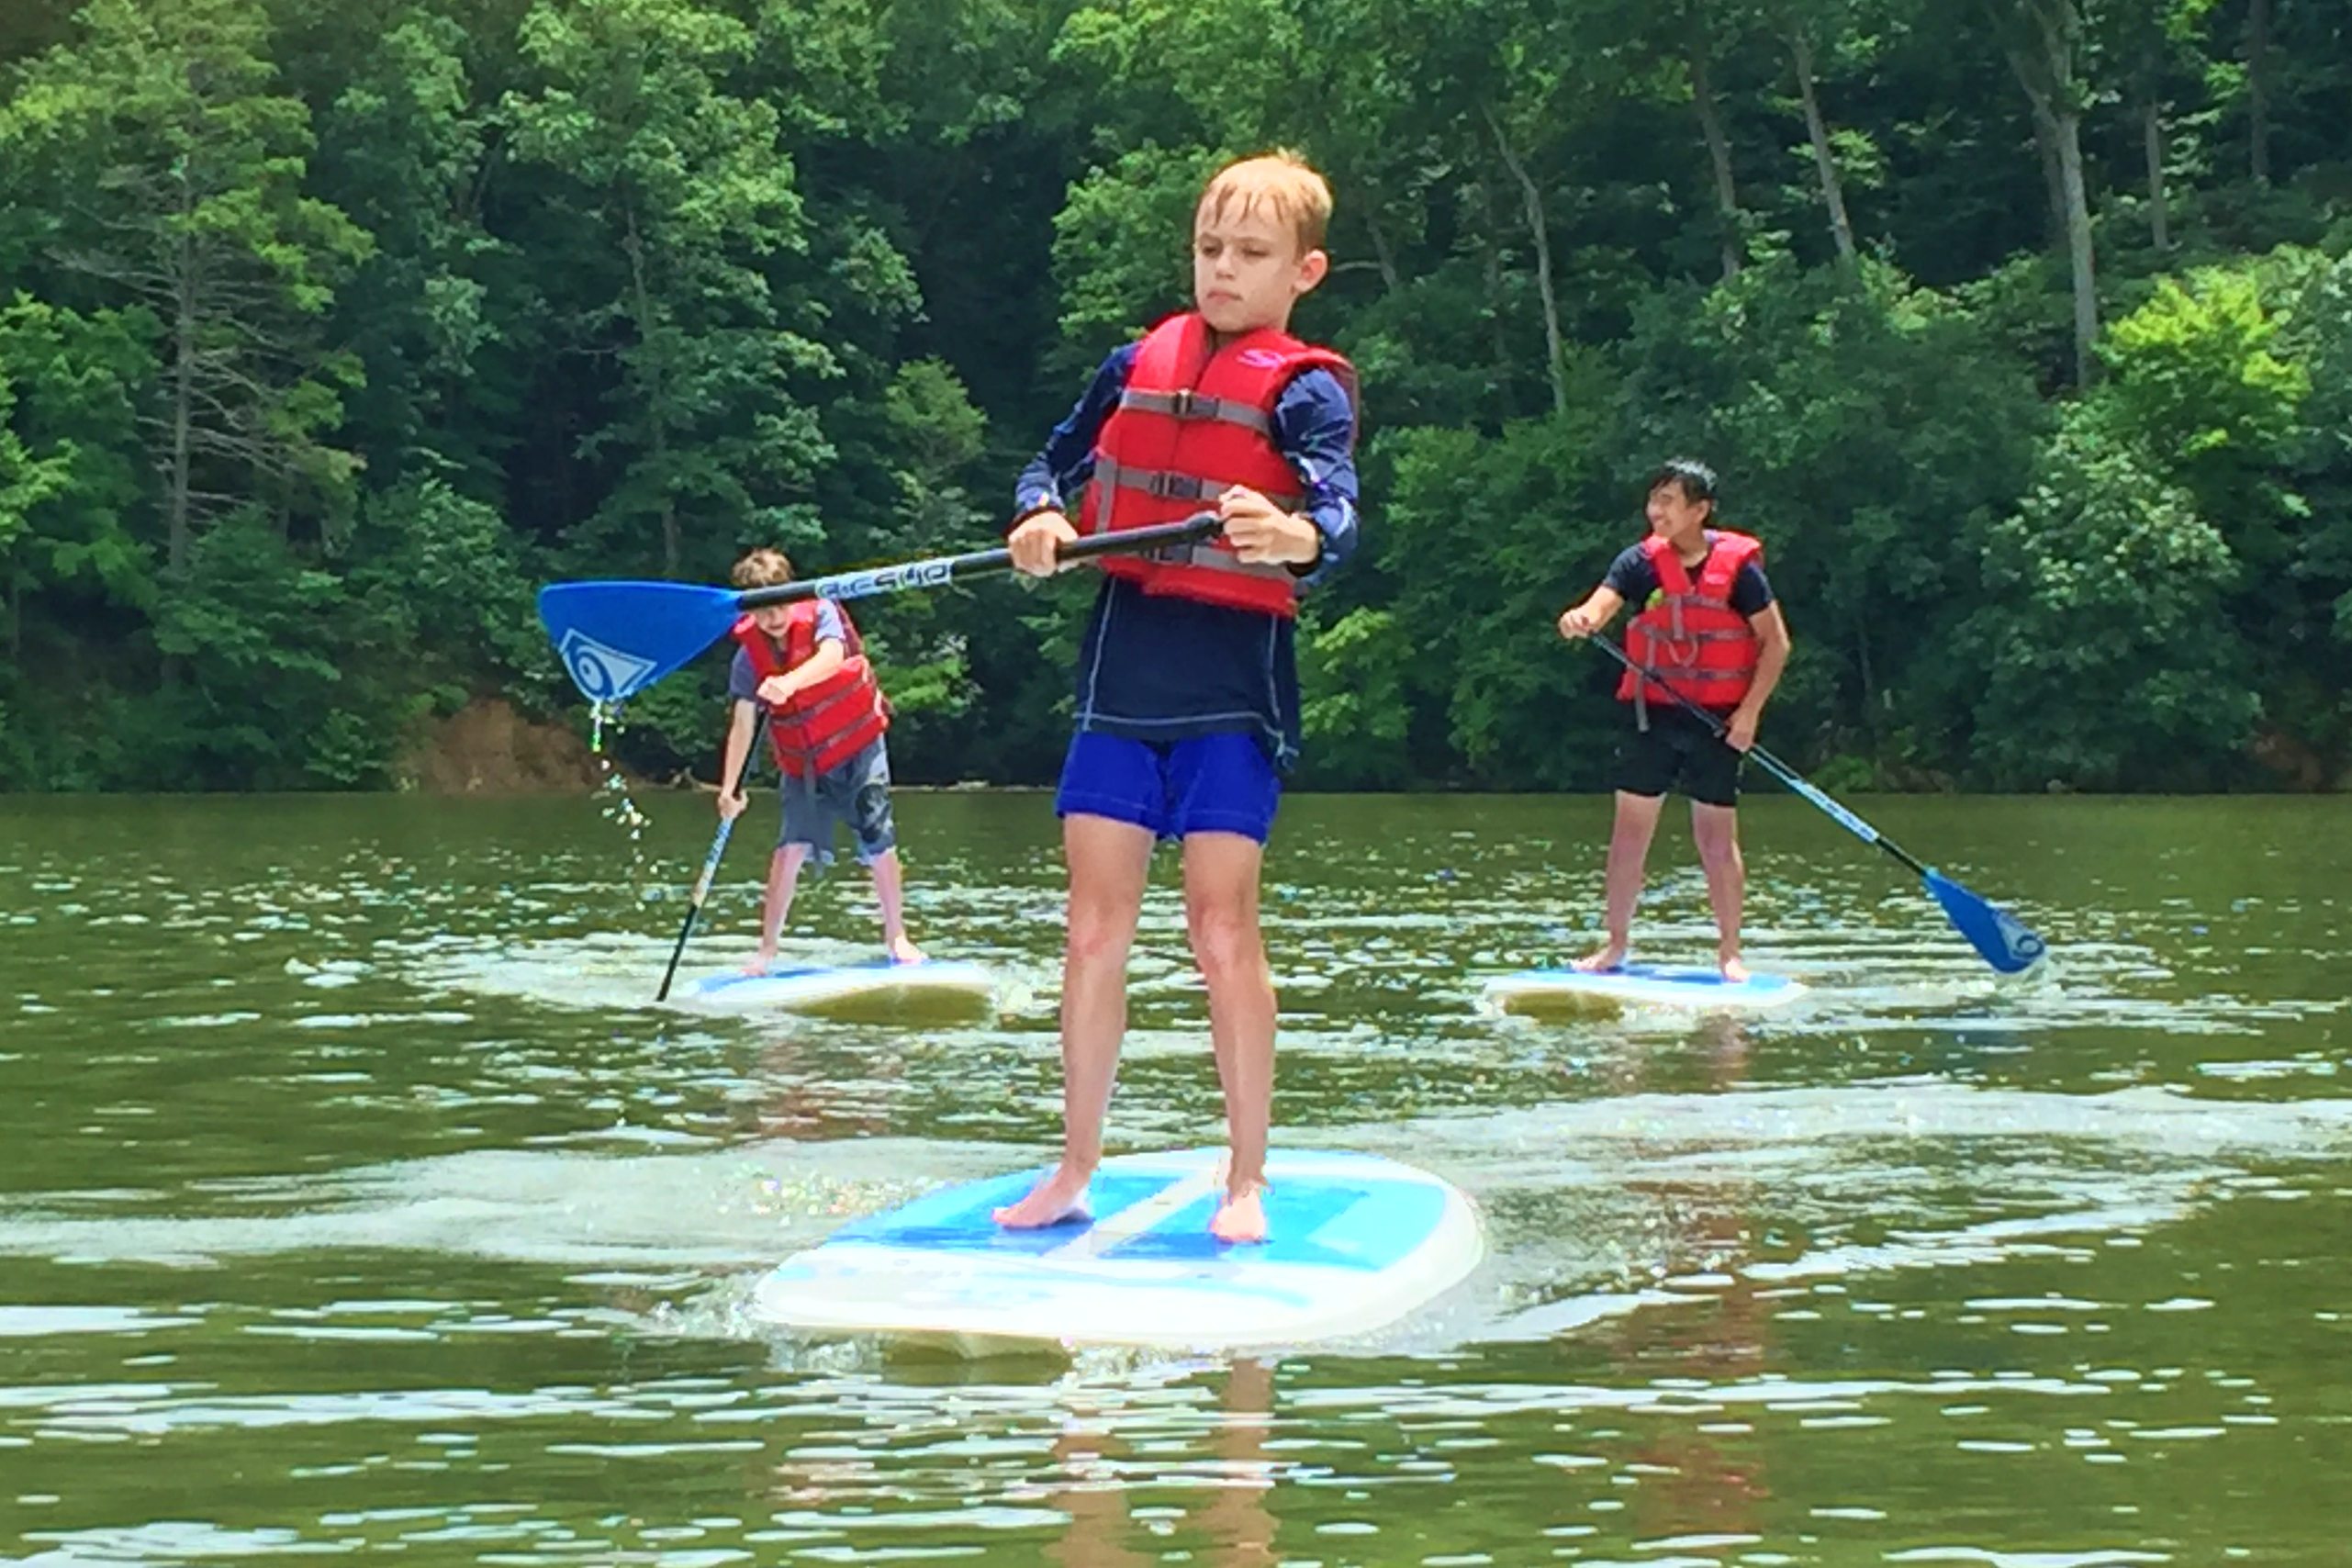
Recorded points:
(2019, 330)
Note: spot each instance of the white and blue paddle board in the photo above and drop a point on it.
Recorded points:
(934, 983)
(1355, 1242)
(1659, 984)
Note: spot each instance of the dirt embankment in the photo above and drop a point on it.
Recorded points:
(488, 749)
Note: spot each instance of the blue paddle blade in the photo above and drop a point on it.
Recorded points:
(617, 638)
(2006, 942)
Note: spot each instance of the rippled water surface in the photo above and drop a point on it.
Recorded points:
(354, 1200)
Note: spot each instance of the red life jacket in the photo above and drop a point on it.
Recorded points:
(1195, 419)
(826, 725)
(1689, 633)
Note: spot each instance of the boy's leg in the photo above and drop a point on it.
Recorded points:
(1110, 861)
(1224, 793)
(864, 788)
(1712, 781)
(1647, 766)
(889, 892)
(1717, 829)
(1629, 853)
(783, 875)
(1221, 916)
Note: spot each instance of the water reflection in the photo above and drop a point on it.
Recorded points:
(1698, 1476)
(1101, 1477)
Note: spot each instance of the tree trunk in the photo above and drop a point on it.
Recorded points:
(2079, 249)
(1383, 257)
(1718, 153)
(1532, 199)
(2054, 177)
(178, 540)
(2152, 138)
(1492, 248)
(2258, 89)
(656, 421)
(2047, 77)
(1824, 162)
(1868, 674)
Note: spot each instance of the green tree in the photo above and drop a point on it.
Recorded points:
(173, 175)
(2047, 45)
(2105, 648)
(405, 151)
(71, 489)
(2309, 651)
(669, 204)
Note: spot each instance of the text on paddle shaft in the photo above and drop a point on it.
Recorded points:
(882, 580)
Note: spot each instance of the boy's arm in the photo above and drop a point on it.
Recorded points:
(1629, 577)
(1313, 427)
(1039, 496)
(1598, 610)
(742, 725)
(779, 689)
(1772, 657)
(829, 654)
(1067, 462)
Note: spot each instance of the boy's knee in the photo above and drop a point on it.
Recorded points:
(1717, 839)
(1098, 932)
(1225, 939)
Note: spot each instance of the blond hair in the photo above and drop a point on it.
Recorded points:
(762, 568)
(1283, 181)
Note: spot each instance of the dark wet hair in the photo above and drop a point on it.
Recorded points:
(1696, 478)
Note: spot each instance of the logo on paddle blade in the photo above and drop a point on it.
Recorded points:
(603, 673)
(2024, 946)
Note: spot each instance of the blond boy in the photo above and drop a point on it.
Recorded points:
(1187, 677)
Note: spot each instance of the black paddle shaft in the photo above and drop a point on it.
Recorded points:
(946, 569)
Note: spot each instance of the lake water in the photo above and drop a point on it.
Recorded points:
(354, 1199)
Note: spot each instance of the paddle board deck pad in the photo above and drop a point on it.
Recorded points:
(1356, 1242)
(1667, 985)
(932, 983)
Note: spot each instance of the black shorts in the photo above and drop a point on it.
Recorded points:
(1678, 749)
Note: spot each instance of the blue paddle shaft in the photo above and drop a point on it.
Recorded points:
(1837, 813)
(711, 863)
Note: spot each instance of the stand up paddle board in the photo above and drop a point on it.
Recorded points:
(1357, 1242)
(932, 983)
(1667, 985)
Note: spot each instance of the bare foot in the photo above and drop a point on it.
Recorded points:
(1060, 1196)
(1609, 957)
(903, 951)
(1734, 970)
(1242, 1216)
(759, 966)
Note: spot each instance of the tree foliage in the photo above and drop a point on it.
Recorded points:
(2020, 330)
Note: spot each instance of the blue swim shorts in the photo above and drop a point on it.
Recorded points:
(1219, 783)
